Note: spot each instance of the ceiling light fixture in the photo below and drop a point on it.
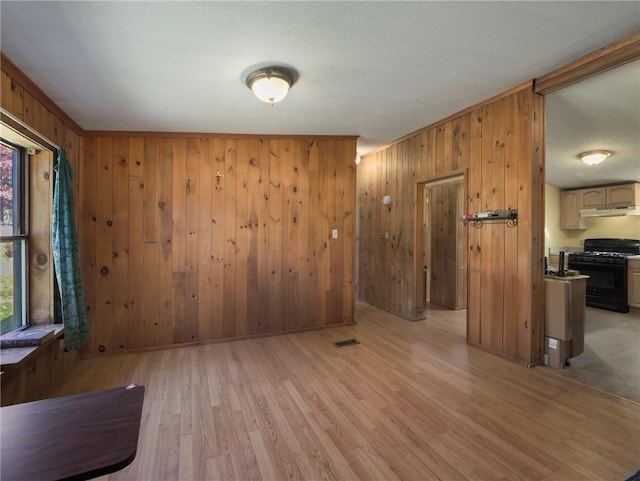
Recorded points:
(594, 157)
(270, 84)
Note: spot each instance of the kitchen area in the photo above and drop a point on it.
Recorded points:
(592, 231)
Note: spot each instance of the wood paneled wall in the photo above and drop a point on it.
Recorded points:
(34, 378)
(499, 146)
(24, 101)
(21, 98)
(197, 238)
(172, 254)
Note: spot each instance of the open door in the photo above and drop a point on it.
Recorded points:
(445, 244)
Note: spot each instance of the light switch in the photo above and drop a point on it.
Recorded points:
(334, 233)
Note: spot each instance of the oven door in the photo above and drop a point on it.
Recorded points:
(606, 286)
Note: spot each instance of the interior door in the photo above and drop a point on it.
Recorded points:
(447, 267)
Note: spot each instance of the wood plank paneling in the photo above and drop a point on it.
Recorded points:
(120, 264)
(136, 262)
(40, 251)
(493, 145)
(263, 300)
(311, 297)
(229, 250)
(190, 257)
(103, 321)
(193, 235)
(511, 155)
(206, 185)
(87, 231)
(217, 239)
(12, 96)
(164, 204)
(136, 242)
(474, 236)
(241, 235)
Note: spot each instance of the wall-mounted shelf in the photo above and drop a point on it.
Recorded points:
(476, 219)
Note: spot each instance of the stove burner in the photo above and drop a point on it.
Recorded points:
(604, 254)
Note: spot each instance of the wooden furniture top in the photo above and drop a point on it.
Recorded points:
(567, 278)
(71, 437)
(15, 355)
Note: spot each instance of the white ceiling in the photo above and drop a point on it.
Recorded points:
(602, 112)
(378, 69)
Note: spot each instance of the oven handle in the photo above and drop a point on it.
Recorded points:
(588, 266)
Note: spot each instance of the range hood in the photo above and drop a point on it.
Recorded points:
(610, 211)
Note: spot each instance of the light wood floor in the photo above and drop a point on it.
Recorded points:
(411, 402)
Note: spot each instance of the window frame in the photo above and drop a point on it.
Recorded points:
(20, 232)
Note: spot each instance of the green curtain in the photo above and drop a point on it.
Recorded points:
(66, 257)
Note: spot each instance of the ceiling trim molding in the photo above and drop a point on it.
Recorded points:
(36, 92)
(123, 133)
(606, 58)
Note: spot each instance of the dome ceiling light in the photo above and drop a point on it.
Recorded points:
(270, 84)
(594, 157)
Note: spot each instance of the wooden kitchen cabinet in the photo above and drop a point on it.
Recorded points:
(593, 197)
(623, 195)
(633, 282)
(570, 205)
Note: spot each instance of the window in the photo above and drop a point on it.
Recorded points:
(13, 237)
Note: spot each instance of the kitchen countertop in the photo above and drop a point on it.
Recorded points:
(567, 278)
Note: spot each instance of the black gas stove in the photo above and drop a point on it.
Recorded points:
(605, 262)
(599, 257)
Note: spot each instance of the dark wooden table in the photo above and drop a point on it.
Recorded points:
(71, 437)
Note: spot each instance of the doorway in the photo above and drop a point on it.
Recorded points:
(580, 112)
(444, 240)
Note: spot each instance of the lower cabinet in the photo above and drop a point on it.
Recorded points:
(564, 315)
(633, 282)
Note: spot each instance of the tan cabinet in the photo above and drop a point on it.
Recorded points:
(623, 195)
(610, 196)
(633, 282)
(594, 197)
(564, 314)
(571, 201)
(570, 205)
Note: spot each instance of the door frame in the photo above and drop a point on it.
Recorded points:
(418, 242)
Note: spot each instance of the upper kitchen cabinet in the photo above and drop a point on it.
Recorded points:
(570, 205)
(623, 195)
(593, 197)
(604, 197)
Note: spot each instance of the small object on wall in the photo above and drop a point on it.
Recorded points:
(386, 200)
(510, 216)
